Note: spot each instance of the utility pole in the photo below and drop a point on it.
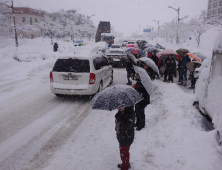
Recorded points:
(13, 13)
(178, 21)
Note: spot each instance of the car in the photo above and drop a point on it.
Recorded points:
(117, 57)
(78, 43)
(102, 46)
(80, 74)
(124, 43)
(131, 44)
(115, 46)
(208, 88)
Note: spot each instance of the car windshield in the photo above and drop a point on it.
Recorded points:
(72, 65)
(115, 46)
(131, 42)
(116, 52)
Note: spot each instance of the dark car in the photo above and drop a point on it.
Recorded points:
(117, 57)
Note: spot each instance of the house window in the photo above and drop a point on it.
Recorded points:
(209, 6)
(215, 5)
(23, 19)
(220, 3)
(214, 11)
(30, 21)
(36, 20)
(209, 13)
(219, 10)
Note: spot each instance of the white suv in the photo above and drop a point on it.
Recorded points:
(80, 74)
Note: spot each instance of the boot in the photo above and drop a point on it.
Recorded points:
(129, 83)
(185, 83)
(181, 83)
(120, 165)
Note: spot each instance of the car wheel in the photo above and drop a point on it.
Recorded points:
(100, 87)
(59, 95)
(111, 81)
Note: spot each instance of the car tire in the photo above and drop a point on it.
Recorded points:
(111, 81)
(59, 95)
(100, 87)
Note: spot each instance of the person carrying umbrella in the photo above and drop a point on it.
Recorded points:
(140, 106)
(123, 98)
(125, 118)
(156, 61)
(183, 69)
(129, 69)
(170, 68)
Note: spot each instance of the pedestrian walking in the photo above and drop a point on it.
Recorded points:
(140, 106)
(125, 119)
(130, 71)
(183, 69)
(170, 69)
(55, 47)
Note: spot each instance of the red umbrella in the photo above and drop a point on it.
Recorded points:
(195, 57)
(168, 52)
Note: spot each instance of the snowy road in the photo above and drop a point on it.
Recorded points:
(34, 123)
(41, 131)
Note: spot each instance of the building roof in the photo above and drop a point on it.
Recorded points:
(30, 11)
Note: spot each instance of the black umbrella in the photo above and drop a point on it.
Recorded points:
(164, 57)
(116, 97)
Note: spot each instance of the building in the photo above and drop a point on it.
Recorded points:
(28, 16)
(214, 8)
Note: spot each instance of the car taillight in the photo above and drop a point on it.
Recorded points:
(92, 78)
(51, 77)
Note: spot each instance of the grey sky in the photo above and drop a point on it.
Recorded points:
(124, 15)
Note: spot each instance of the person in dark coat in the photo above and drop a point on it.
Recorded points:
(140, 106)
(183, 70)
(170, 69)
(125, 119)
(55, 47)
(155, 58)
(179, 69)
(193, 78)
(130, 70)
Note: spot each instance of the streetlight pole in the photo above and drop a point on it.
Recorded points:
(158, 22)
(178, 21)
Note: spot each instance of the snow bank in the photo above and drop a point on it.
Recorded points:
(218, 43)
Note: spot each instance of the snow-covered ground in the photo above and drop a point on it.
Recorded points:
(40, 131)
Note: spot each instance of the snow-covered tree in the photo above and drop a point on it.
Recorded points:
(168, 31)
(198, 27)
(52, 26)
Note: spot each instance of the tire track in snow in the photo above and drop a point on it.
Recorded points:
(51, 136)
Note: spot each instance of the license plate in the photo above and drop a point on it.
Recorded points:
(70, 77)
(116, 59)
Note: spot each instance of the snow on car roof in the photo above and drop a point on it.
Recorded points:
(101, 44)
(107, 34)
(218, 44)
(81, 53)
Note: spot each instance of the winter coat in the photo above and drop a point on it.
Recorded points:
(155, 59)
(170, 65)
(151, 73)
(129, 66)
(184, 61)
(125, 126)
(142, 91)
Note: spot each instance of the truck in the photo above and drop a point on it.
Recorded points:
(103, 33)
